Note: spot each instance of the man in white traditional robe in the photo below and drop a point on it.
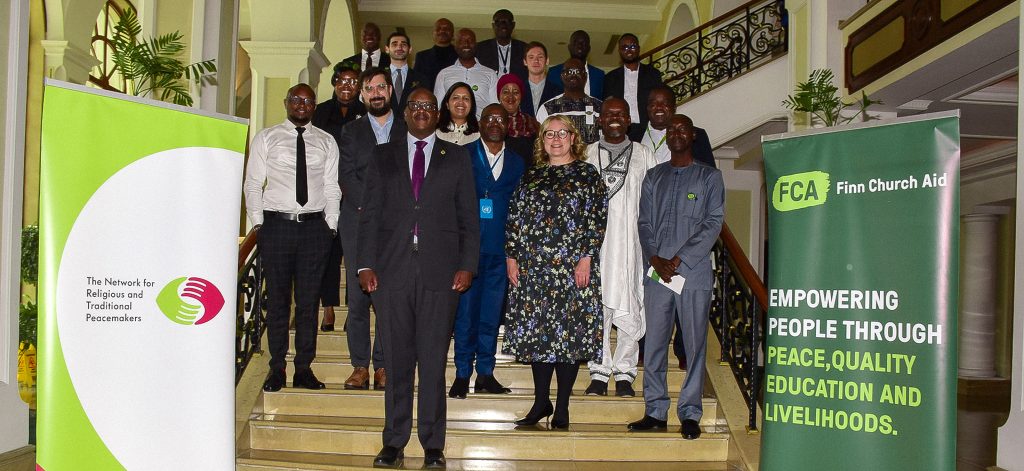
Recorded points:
(622, 164)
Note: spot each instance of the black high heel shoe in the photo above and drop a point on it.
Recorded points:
(325, 327)
(536, 416)
(557, 424)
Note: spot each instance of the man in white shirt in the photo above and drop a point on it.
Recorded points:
(632, 82)
(292, 198)
(371, 55)
(483, 80)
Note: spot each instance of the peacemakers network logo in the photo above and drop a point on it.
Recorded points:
(190, 300)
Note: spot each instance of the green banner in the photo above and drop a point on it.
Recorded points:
(861, 341)
(138, 267)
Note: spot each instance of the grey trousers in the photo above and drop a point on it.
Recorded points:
(661, 306)
(357, 323)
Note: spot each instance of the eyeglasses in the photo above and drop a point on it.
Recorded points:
(631, 47)
(560, 134)
(348, 81)
(422, 106)
(493, 119)
(297, 100)
(380, 87)
(572, 71)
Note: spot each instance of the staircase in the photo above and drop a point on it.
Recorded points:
(338, 429)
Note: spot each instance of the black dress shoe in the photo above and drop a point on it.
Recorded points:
(306, 379)
(691, 429)
(274, 381)
(460, 387)
(433, 458)
(537, 413)
(559, 424)
(624, 388)
(487, 383)
(647, 423)
(389, 457)
(597, 388)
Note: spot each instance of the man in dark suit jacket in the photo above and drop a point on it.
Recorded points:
(356, 145)
(503, 54)
(429, 62)
(420, 240)
(398, 50)
(476, 324)
(371, 49)
(579, 48)
(646, 77)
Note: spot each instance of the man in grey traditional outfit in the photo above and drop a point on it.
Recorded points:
(682, 203)
(622, 164)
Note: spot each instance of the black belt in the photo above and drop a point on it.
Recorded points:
(300, 217)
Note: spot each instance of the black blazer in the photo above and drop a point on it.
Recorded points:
(385, 59)
(430, 62)
(413, 80)
(355, 148)
(615, 85)
(551, 90)
(446, 215)
(487, 54)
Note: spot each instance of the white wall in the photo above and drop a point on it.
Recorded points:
(14, 47)
(1010, 454)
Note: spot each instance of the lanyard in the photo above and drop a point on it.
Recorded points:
(503, 59)
(656, 146)
(483, 158)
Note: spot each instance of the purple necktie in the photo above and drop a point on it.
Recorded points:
(418, 168)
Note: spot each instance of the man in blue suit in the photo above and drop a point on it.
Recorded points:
(579, 48)
(496, 170)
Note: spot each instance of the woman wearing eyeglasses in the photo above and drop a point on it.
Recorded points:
(555, 228)
(457, 123)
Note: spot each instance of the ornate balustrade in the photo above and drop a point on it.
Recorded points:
(251, 317)
(738, 304)
(726, 47)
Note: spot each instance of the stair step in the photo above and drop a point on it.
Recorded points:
(336, 343)
(490, 440)
(335, 369)
(265, 460)
(477, 407)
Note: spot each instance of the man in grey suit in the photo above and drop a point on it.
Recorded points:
(682, 204)
(356, 144)
(419, 241)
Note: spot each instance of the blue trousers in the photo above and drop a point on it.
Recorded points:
(478, 316)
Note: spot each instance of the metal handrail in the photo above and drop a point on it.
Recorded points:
(251, 312)
(725, 47)
(738, 314)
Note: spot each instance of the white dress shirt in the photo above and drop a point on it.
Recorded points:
(483, 80)
(272, 161)
(427, 150)
(375, 55)
(630, 80)
(495, 161)
(655, 139)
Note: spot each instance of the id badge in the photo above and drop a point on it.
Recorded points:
(486, 208)
(589, 115)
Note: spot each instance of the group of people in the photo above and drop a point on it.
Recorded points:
(518, 198)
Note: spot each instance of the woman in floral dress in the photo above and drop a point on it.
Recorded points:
(555, 228)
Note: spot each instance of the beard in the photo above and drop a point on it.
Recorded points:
(383, 109)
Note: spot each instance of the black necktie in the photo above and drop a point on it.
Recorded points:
(301, 192)
(369, 60)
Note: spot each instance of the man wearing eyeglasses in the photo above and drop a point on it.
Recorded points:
(579, 48)
(632, 82)
(358, 140)
(419, 242)
(584, 110)
(497, 170)
(291, 197)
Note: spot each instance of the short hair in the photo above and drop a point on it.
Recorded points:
(445, 118)
(664, 88)
(578, 151)
(534, 44)
(399, 33)
(503, 11)
(629, 35)
(372, 72)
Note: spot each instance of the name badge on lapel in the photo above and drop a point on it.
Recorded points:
(486, 208)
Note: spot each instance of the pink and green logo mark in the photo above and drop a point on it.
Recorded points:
(178, 300)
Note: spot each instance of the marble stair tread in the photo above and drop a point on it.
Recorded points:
(493, 440)
(270, 460)
(337, 368)
(336, 342)
(476, 407)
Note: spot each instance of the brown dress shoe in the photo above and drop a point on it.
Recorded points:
(380, 379)
(360, 379)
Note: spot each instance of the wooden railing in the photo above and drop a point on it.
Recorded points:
(251, 316)
(738, 304)
(728, 46)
